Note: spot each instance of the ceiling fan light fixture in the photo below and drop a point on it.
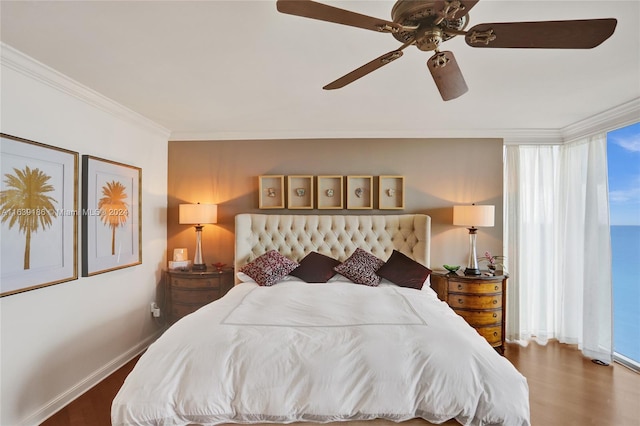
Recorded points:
(428, 39)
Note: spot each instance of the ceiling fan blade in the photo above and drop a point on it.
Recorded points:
(367, 68)
(447, 75)
(578, 34)
(323, 12)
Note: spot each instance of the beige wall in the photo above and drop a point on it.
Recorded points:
(439, 173)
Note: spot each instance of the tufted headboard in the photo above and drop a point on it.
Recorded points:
(333, 235)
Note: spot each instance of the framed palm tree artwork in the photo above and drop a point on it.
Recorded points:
(111, 215)
(38, 215)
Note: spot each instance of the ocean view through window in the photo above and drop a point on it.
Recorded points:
(623, 155)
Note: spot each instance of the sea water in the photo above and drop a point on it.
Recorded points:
(625, 247)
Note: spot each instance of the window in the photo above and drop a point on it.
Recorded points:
(623, 155)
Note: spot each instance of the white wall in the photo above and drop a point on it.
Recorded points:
(58, 341)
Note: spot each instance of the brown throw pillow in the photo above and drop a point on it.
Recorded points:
(404, 271)
(315, 268)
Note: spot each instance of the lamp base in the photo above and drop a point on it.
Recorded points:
(199, 267)
(471, 271)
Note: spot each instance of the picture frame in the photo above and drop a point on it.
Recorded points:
(391, 192)
(330, 192)
(39, 239)
(111, 215)
(360, 192)
(271, 192)
(300, 192)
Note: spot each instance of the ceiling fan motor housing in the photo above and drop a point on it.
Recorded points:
(430, 23)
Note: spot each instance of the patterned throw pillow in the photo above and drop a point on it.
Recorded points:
(316, 268)
(269, 268)
(404, 271)
(361, 268)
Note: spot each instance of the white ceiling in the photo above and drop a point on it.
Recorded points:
(240, 69)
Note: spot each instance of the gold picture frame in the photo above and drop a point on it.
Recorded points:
(300, 192)
(390, 192)
(360, 192)
(39, 231)
(271, 192)
(111, 215)
(330, 192)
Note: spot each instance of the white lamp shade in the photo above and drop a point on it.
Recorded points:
(197, 214)
(473, 215)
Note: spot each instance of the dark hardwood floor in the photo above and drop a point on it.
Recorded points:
(565, 390)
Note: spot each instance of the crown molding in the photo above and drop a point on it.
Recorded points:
(611, 119)
(33, 69)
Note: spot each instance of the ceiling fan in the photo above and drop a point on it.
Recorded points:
(429, 23)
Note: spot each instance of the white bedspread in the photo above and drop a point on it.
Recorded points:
(322, 352)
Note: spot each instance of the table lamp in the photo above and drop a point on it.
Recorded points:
(473, 216)
(198, 215)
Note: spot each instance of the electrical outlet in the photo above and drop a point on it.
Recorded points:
(155, 310)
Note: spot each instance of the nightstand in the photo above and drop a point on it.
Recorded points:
(480, 300)
(190, 290)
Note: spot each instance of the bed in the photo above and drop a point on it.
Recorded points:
(289, 350)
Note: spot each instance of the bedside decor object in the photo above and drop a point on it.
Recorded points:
(198, 215)
(38, 213)
(271, 192)
(180, 254)
(492, 261)
(473, 216)
(451, 268)
(111, 219)
(181, 265)
(219, 266)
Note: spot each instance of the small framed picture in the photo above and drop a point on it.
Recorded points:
(271, 192)
(330, 192)
(111, 215)
(39, 215)
(359, 192)
(391, 192)
(300, 192)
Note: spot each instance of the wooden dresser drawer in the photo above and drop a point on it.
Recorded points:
(480, 318)
(194, 282)
(477, 287)
(467, 301)
(492, 334)
(195, 296)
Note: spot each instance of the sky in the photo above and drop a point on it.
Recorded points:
(623, 153)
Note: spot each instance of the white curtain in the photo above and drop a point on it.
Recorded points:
(558, 245)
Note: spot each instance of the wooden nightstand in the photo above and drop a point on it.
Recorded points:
(190, 290)
(480, 300)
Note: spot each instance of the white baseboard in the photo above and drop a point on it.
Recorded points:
(71, 394)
